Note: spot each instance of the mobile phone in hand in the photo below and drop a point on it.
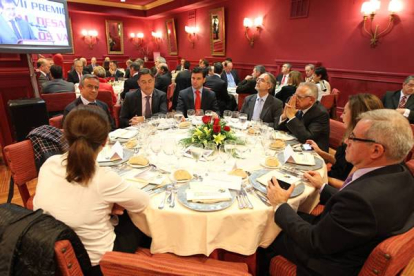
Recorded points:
(284, 185)
(307, 147)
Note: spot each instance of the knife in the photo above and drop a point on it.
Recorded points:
(158, 190)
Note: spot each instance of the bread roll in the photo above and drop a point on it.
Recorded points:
(181, 175)
(131, 144)
(278, 144)
(238, 172)
(184, 124)
(272, 162)
(138, 160)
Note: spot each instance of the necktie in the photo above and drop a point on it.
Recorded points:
(80, 77)
(147, 107)
(257, 109)
(15, 30)
(347, 180)
(283, 80)
(197, 103)
(299, 114)
(403, 101)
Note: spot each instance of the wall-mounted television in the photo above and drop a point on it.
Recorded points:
(34, 26)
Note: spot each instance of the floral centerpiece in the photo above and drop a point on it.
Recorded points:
(212, 130)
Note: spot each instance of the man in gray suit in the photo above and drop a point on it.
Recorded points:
(263, 106)
(57, 84)
(144, 102)
(402, 100)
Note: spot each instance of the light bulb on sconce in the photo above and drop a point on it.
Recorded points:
(137, 39)
(157, 36)
(369, 9)
(90, 37)
(248, 24)
(192, 34)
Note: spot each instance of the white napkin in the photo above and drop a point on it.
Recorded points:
(145, 176)
(279, 175)
(282, 136)
(114, 153)
(300, 158)
(207, 194)
(223, 180)
(123, 133)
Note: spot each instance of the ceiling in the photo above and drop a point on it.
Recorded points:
(128, 4)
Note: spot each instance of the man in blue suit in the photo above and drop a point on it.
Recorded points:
(13, 29)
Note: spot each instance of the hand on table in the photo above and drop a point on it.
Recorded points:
(276, 194)
(314, 178)
(136, 120)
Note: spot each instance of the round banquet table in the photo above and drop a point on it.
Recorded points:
(185, 232)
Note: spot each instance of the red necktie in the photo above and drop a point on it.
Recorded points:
(197, 104)
(402, 102)
(283, 80)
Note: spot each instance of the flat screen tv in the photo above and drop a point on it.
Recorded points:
(34, 26)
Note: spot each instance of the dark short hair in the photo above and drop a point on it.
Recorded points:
(229, 59)
(321, 71)
(197, 70)
(186, 64)
(164, 68)
(114, 62)
(135, 66)
(218, 68)
(260, 68)
(144, 71)
(56, 71)
(205, 62)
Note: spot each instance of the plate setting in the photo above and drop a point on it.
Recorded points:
(127, 154)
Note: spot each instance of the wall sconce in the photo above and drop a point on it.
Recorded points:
(369, 9)
(157, 36)
(137, 39)
(248, 23)
(90, 37)
(192, 34)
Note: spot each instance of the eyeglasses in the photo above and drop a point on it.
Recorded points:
(353, 138)
(300, 97)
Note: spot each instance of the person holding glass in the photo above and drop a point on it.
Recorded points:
(144, 102)
(75, 190)
(262, 106)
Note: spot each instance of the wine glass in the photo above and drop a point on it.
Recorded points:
(242, 147)
(243, 118)
(178, 152)
(196, 153)
(235, 117)
(199, 115)
(191, 114)
(168, 149)
(210, 154)
(156, 146)
(227, 115)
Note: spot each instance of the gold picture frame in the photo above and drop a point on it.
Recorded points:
(71, 37)
(217, 32)
(115, 37)
(171, 37)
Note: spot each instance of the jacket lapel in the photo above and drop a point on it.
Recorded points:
(266, 106)
(139, 103)
(410, 102)
(251, 106)
(191, 99)
(396, 99)
(154, 102)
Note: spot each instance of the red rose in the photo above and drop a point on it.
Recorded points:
(216, 121)
(226, 128)
(206, 119)
(216, 128)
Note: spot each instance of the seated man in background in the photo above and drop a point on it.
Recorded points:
(229, 75)
(77, 73)
(197, 97)
(263, 106)
(305, 117)
(113, 71)
(132, 82)
(373, 204)
(309, 72)
(144, 102)
(248, 85)
(89, 87)
(43, 67)
(182, 81)
(402, 100)
(100, 72)
(57, 84)
(219, 87)
(163, 78)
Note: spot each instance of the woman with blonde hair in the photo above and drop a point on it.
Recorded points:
(295, 78)
(356, 105)
(75, 190)
(100, 72)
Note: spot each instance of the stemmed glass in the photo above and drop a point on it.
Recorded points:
(178, 152)
(178, 117)
(191, 114)
(242, 147)
(199, 115)
(210, 154)
(156, 146)
(243, 118)
(196, 153)
(227, 115)
(168, 149)
(235, 117)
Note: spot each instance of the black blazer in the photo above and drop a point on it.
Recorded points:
(285, 93)
(129, 84)
(355, 220)
(127, 73)
(392, 99)
(216, 84)
(272, 109)
(90, 68)
(132, 105)
(118, 74)
(246, 87)
(73, 76)
(186, 100)
(182, 81)
(162, 82)
(235, 76)
(314, 125)
(102, 105)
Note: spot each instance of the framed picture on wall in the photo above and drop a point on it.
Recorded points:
(115, 36)
(171, 37)
(71, 36)
(218, 32)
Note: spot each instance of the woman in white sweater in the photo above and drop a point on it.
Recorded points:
(75, 190)
(321, 79)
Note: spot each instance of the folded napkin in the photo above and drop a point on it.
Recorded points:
(111, 153)
(204, 194)
(282, 136)
(223, 180)
(145, 176)
(123, 133)
(279, 175)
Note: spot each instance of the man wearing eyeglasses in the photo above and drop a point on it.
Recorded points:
(89, 86)
(305, 117)
(144, 102)
(374, 203)
(402, 100)
(263, 106)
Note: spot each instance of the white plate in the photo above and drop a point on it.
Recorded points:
(180, 181)
(137, 166)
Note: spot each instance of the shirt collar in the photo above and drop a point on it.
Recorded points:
(194, 90)
(357, 174)
(264, 97)
(402, 94)
(85, 101)
(143, 95)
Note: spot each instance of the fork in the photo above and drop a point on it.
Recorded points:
(173, 196)
(166, 196)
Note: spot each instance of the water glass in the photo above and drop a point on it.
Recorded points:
(243, 118)
(235, 117)
(191, 114)
(178, 117)
(210, 154)
(156, 146)
(227, 115)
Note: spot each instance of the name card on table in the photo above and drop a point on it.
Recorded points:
(223, 180)
(109, 154)
(207, 194)
(300, 158)
(279, 175)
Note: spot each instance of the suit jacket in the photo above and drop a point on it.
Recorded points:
(392, 99)
(162, 82)
(127, 73)
(182, 81)
(73, 76)
(314, 125)
(7, 35)
(118, 74)
(90, 68)
(57, 85)
(246, 87)
(42, 79)
(285, 93)
(186, 100)
(272, 109)
(78, 101)
(355, 220)
(129, 84)
(235, 76)
(132, 105)
(216, 84)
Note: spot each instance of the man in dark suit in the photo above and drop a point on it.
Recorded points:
(113, 71)
(89, 87)
(219, 87)
(76, 75)
(374, 203)
(262, 105)
(305, 117)
(180, 67)
(144, 102)
(163, 78)
(248, 85)
(132, 82)
(229, 75)
(128, 64)
(282, 78)
(197, 96)
(182, 81)
(92, 66)
(43, 66)
(402, 100)
(57, 84)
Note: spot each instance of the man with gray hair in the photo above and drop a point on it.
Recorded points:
(77, 73)
(157, 61)
(402, 100)
(247, 86)
(374, 203)
(282, 78)
(305, 117)
(309, 72)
